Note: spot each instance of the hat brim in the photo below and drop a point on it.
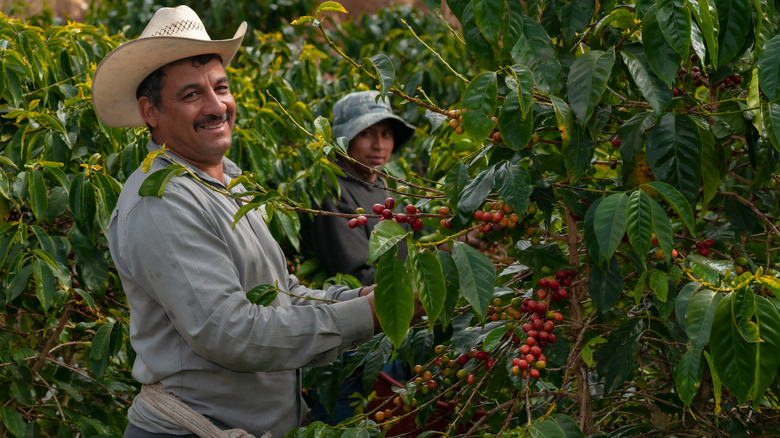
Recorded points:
(402, 130)
(121, 71)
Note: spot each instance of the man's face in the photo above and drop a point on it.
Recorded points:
(197, 112)
(372, 147)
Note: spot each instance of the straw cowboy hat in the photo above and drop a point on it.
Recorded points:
(172, 34)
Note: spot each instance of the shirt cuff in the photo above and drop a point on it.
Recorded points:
(355, 321)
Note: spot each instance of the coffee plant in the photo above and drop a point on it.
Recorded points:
(590, 203)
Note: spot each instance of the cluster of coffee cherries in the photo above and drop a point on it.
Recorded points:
(556, 287)
(700, 78)
(496, 216)
(385, 211)
(703, 246)
(456, 121)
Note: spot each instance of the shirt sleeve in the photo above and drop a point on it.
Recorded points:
(176, 251)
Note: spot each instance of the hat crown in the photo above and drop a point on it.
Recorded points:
(357, 104)
(179, 22)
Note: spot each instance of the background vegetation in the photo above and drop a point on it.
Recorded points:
(620, 160)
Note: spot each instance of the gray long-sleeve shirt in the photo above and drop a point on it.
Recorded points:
(185, 270)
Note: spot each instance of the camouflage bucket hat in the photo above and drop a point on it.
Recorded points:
(359, 110)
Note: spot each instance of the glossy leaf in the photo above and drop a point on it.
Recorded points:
(675, 199)
(515, 129)
(475, 40)
(385, 72)
(744, 308)
(639, 223)
(699, 316)
(475, 192)
(557, 426)
(13, 421)
(429, 282)
(661, 56)
(489, 16)
(734, 25)
(734, 359)
(587, 82)
(770, 114)
(534, 50)
(707, 21)
(514, 186)
(39, 198)
(610, 223)
(767, 358)
(605, 285)
(674, 20)
(476, 276)
(44, 284)
(659, 284)
(616, 359)
(262, 294)
(658, 94)
(452, 286)
(769, 69)
(384, 237)
(154, 184)
(479, 104)
(393, 297)
(330, 6)
(522, 80)
(688, 373)
(674, 154)
(494, 337)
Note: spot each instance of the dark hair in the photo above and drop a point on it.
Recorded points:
(150, 87)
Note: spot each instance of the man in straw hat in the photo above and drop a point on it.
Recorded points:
(186, 269)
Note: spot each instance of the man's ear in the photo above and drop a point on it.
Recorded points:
(148, 111)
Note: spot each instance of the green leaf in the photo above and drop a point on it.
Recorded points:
(385, 72)
(522, 80)
(661, 56)
(674, 153)
(707, 20)
(617, 359)
(770, 114)
(534, 50)
(658, 94)
(587, 82)
(516, 129)
(767, 358)
(489, 16)
(154, 184)
(393, 297)
(770, 283)
(734, 359)
(475, 192)
(476, 277)
(330, 6)
(605, 285)
(101, 349)
(639, 224)
(687, 375)
(699, 316)
(674, 20)
(558, 426)
(744, 307)
(13, 421)
(769, 69)
(39, 198)
(452, 286)
(262, 294)
(514, 186)
(659, 284)
(430, 283)
(475, 40)
(479, 104)
(494, 337)
(322, 127)
(610, 224)
(384, 237)
(734, 25)
(45, 286)
(675, 199)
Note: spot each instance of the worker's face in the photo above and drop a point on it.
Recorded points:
(197, 112)
(372, 147)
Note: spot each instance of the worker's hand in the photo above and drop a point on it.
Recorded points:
(368, 293)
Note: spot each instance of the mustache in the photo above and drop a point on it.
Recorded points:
(212, 119)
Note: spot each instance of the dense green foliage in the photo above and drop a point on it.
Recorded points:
(629, 149)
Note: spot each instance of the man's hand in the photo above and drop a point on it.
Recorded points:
(368, 292)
